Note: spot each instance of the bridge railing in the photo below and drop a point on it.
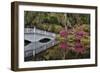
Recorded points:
(44, 47)
(39, 31)
(33, 52)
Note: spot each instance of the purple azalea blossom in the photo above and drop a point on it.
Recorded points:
(79, 48)
(80, 33)
(63, 45)
(63, 33)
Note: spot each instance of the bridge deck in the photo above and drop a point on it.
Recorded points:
(34, 35)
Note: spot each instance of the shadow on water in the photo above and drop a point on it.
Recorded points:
(44, 40)
(26, 42)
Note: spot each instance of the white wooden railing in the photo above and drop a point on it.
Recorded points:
(32, 52)
(39, 31)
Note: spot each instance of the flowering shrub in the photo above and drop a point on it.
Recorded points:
(76, 39)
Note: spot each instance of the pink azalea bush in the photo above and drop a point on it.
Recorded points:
(79, 36)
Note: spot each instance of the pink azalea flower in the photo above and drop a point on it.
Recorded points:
(63, 45)
(80, 33)
(63, 33)
(79, 48)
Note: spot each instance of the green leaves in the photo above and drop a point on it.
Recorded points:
(53, 54)
(86, 41)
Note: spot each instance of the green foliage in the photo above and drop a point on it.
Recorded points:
(71, 38)
(78, 18)
(53, 54)
(54, 20)
(85, 41)
(86, 28)
(58, 28)
(85, 18)
(28, 18)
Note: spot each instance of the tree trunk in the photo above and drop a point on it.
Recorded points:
(65, 17)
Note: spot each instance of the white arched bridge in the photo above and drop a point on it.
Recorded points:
(38, 41)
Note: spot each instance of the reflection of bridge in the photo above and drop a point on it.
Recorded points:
(34, 36)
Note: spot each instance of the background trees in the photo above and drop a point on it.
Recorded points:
(50, 20)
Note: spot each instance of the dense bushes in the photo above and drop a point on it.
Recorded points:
(54, 20)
